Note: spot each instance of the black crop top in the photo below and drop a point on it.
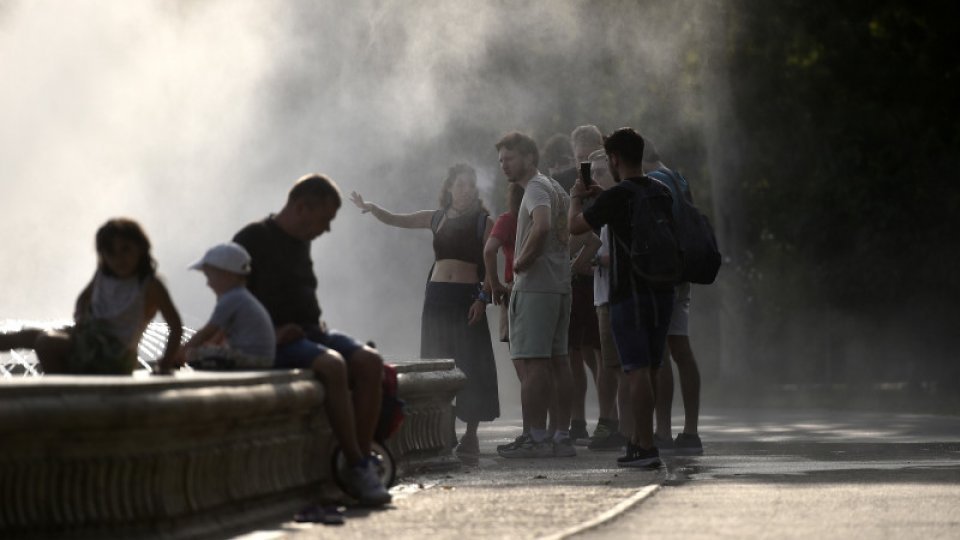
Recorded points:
(460, 238)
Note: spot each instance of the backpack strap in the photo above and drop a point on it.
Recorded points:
(675, 181)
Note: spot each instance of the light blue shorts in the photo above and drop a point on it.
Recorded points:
(539, 323)
(680, 319)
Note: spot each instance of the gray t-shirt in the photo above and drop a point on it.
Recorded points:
(550, 272)
(245, 322)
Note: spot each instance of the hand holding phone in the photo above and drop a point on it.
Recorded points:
(585, 175)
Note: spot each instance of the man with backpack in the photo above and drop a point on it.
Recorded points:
(645, 261)
(678, 339)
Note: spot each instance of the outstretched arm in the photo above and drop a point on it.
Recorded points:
(416, 220)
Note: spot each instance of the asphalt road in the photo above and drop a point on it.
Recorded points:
(764, 474)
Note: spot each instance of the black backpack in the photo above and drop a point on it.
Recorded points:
(698, 244)
(654, 250)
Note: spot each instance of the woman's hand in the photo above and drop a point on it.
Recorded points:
(500, 293)
(357, 200)
(477, 310)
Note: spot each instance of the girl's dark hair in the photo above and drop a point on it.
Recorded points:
(446, 199)
(514, 197)
(126, 229)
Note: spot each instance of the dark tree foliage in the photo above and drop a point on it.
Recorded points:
(850, 112)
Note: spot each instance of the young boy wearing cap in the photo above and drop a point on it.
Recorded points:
(238, 316)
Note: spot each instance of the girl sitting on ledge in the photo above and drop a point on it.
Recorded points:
(111, 313)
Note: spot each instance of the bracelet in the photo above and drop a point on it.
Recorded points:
(483, 297)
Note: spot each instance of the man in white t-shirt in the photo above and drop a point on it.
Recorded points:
(539, 312)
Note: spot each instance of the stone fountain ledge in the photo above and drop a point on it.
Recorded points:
(187, 456)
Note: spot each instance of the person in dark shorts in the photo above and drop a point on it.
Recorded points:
(678, 338)
(639, 313)
(283, 280)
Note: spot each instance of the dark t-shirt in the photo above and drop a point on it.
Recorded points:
(567, 178)
(612, 207)
(281, 274)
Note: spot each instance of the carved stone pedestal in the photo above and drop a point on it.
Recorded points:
(190, 456)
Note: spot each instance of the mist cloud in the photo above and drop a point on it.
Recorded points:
(195, 118)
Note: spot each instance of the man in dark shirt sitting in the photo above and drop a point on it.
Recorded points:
(639, 312)
(282, 278)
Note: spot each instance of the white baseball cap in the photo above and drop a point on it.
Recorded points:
(229, 256)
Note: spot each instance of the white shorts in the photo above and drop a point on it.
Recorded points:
(681, 311)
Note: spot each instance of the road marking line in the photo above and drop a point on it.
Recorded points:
(609, 515)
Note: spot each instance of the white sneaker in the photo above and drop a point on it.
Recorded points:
(365, 485)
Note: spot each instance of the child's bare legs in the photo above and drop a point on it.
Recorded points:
(52, 348)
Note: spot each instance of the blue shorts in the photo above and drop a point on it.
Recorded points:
(641, 345)
(301, 353)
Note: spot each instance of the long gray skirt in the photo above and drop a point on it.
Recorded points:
(444, 333)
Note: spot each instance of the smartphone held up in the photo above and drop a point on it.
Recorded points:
(585, 175)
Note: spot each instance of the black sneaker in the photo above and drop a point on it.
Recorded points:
(578, 430)
(522, 438)
(613, 441)
(688, 444)
(639, 458)
(665, 445)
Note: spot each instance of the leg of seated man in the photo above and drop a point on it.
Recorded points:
(328, 364)
(331, 369)
(365, 368)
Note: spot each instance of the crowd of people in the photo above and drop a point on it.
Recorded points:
(572, 307)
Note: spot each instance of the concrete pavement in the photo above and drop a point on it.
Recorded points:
(765, 474)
